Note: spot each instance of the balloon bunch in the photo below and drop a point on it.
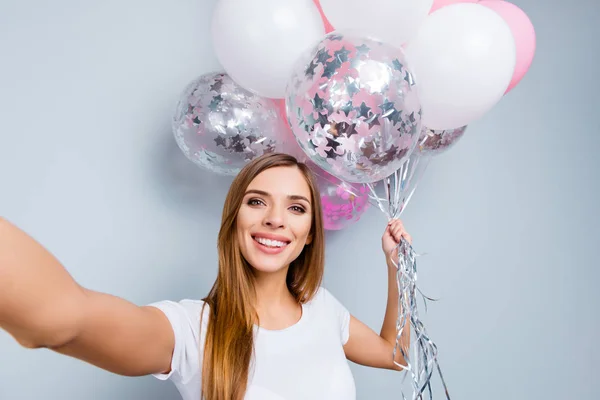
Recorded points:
(365, 92)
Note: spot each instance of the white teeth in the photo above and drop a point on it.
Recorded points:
(269, 242)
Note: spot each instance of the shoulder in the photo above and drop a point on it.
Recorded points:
(322, 294)
(323, 297)
(184, 312)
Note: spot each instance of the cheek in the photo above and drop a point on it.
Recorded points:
(303, 228)
(243, 219)
(240, 227)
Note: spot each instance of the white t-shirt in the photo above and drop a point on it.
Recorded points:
(304, 361)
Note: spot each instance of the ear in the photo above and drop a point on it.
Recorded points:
(309, 239)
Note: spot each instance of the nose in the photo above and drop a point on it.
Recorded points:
(275, 217)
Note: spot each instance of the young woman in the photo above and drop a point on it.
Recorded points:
(266, 330)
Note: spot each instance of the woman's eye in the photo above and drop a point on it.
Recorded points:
(298, 209)
(254, 202)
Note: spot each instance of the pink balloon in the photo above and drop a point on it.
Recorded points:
(343, 203)
(326, 23)
(280, 104)
(289, 146)
(437, 4)
(524, 34)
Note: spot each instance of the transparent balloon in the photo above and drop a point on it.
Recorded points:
(437, 141)
(221, 126)
(343, 203)
(353, 107)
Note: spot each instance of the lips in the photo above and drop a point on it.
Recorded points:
(270, 244)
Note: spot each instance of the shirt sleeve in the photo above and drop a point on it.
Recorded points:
(340, 313)
(184, 317)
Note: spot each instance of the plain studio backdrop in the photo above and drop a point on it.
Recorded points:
(509, 219)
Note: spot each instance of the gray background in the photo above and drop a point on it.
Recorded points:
(509, 216)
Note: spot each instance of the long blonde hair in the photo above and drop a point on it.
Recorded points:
(229, 339)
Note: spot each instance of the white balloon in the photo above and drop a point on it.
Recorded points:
(463, 58)
(258, 41)
(391, 21)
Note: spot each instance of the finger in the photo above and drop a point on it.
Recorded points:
(399, 228)
(394, 222)
(388, 234)
(397, 233)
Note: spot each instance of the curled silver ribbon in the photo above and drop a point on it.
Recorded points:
(397, 191)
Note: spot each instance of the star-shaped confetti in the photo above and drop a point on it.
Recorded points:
(368, 149)
(346, 108)
(317, 102)
(214, 104)
(342, 55)
(322, 56)
(331, 154)
(363, 49)
(331, 68)
(323, 120)
(363, 110)
(391, 153)
(387, 108)
(310, 70)
(220, 141)
(332, 143)
(238, 147)
(352, 89)
(216, 87)
(397, 64)
(349, 130)
(395, 116)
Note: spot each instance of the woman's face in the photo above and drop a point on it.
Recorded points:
(274, 221)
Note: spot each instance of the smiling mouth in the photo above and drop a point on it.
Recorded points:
(274, 244)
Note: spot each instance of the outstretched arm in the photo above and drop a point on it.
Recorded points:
(42, 306)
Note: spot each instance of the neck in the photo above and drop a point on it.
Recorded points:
(271, 290)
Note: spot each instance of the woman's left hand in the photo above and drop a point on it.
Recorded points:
(394, 232)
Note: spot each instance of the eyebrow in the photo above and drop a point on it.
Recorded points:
(291, 196)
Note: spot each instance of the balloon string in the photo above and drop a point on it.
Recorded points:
(424, 361)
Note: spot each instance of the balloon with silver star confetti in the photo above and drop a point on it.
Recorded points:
(221, 126)
(353, 107)
(437, 141)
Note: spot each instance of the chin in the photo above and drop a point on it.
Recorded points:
(267, 266)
